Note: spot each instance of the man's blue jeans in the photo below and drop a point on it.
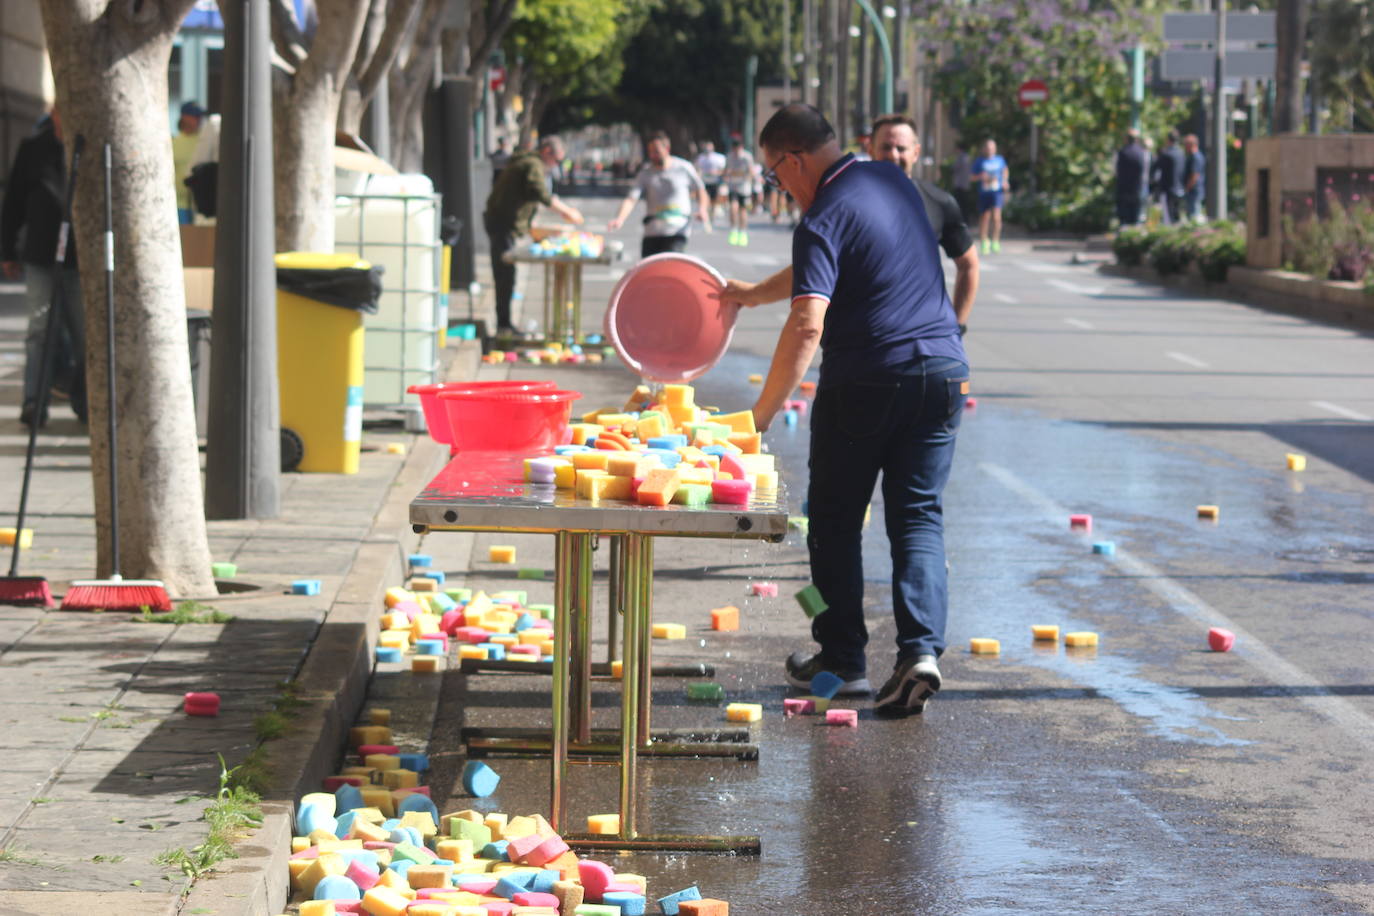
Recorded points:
(903, 428)
(38, 293)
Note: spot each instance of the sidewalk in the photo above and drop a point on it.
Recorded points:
(105, 770)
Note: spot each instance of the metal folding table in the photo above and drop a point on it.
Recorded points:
(486, 492)
(563, 288)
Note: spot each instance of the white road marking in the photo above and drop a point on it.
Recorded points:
(1079, 323)
(1271, 665)
(1041, 267)
(1187, 360)
(1068, 287)
(1003, 297)
(1343, 411)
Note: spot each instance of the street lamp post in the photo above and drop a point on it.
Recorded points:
(885, 90)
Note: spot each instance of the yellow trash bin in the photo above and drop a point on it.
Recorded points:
(321, 299)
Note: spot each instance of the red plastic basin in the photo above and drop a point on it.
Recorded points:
(666, 320)
(508, 421)
(436, 418)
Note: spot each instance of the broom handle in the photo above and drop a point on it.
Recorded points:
(56, 300)
(112, 432)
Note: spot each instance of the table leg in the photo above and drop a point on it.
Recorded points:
(548, 298)
(629, 691)
(644, 610)
(615, 603)
(581, 645)
(564, 591)
(575, 335)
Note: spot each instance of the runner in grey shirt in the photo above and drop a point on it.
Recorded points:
(671, 189)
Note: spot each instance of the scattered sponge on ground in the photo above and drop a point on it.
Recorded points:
(1045, 631)
(744, 712)
(501, 554)
(725, 618)
(669, 631)
(980, 646)
(1081, 638)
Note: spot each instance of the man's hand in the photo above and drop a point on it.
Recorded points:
(740, 293)
(763, 417)
(574, 216)
(614, 224)
(11, 269)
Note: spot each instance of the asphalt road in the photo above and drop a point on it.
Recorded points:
(1149, 775)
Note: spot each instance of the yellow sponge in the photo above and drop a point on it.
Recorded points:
(7, 536)
(379, 716)
(317, 908)
(744, 712)
(984, 646)
(670, 631)
(385, 901)
(1083, 638)
(383, 761)
(401, 778)
(603, 823)
(1212, 512)
(1045, 631)
(502, 554)
(424, 664)
(1295, 463)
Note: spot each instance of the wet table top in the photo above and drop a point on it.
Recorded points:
(486, 491)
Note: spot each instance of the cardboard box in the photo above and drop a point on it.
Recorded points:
(198, 246)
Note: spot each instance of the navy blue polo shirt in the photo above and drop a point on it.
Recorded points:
(867, 248)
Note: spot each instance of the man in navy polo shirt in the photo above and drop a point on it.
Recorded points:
(867, 288)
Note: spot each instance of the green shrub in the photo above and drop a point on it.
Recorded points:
(1340, 247)
(1219, 249)
(1173, 249)
(1131, 244)
(1044, 213)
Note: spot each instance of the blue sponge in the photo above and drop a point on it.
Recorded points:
(305, 587)
(416, 763)
(513, 883)
(420, 559)
(524, 622)
(337, 887)
(417, 801)
(438, 575)
(346, 798)
(630, 903)
(314, 817)
(826, 684)
(429, 647)
(388, 654)
(669, 904)
(544, 880)
(495, 651)
(496, 850)
(478, 779)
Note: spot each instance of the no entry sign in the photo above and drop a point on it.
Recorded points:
(1032, 91)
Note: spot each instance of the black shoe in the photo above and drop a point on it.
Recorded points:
(913, 682)
(801, 668)
(26, 416)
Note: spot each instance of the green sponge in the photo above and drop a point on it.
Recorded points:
(811, 601)
(705, 690)
(224, 570)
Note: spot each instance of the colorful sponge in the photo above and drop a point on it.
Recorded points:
(502, 554)
(669, 904)
(479, 779)
(725, 618)
(811, 601)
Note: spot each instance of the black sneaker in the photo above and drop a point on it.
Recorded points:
(801, 668)
(913, 682)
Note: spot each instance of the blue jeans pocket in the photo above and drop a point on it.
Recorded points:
(864, 409)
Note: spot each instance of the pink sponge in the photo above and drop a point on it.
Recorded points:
(595, 877)
(764, 589)
(546, 852)
(451, 621)
(471, 634)
(520, 847)
(535, 898)
(409, 608)
(731, 465)
(362, 874)
(849, 717)
(1220, 640)
(795, 706)
(731, 492)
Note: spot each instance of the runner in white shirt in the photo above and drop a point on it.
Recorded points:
(671, 188)
(739, 181)
(711, 166)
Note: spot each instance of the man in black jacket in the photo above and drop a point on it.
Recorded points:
(1131, 169)
(1166, 178)
(30, 224)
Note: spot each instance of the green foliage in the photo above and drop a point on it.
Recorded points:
(1047, 213)
(185, 612)
(1340, 247)
(1342, 57)
(1077, 47)
(1214, 247)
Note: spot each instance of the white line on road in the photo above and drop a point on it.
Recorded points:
(1003, 297)
(1187, 360)
(1068, 287)
(1272, 666)
(1039, 267)
(1342, 411)
(1079, 323)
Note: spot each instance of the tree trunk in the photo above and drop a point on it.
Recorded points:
(1292, 39)
(305, 109)
(109, 62)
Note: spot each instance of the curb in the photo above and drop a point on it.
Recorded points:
(333, 683)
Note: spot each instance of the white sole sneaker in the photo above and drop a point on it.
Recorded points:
(913, 683)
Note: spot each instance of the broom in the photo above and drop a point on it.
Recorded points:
(115, 593)
(14, 588)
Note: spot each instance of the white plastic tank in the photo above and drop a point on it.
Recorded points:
(394, 222)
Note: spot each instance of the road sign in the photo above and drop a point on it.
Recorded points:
(1032, 91)
(1197, 27)
(1257, 63)
(497, 76)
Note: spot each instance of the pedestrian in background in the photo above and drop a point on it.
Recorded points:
(866, 287)
(183, 152)
(1131, 171)
(1194, 179)
(33, 210)
(994, 183)
(515, 198)
(671, 189)
(711, 167)
(1166, 178)
(895, 141)
(739, 182)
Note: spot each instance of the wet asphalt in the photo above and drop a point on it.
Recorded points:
(1148, 775)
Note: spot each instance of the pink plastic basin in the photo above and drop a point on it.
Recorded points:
(508, 421)
(436, 418)
(666, 320)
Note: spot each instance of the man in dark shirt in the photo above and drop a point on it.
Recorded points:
(867, 288)
(1194, 178)
(1130, 179)
(515, 198)
(34, 200)
(1166, 178)
(895, 141)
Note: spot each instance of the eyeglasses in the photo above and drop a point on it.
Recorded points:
(770, 174)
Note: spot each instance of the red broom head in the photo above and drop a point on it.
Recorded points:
(127, 595)
(25, 591)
